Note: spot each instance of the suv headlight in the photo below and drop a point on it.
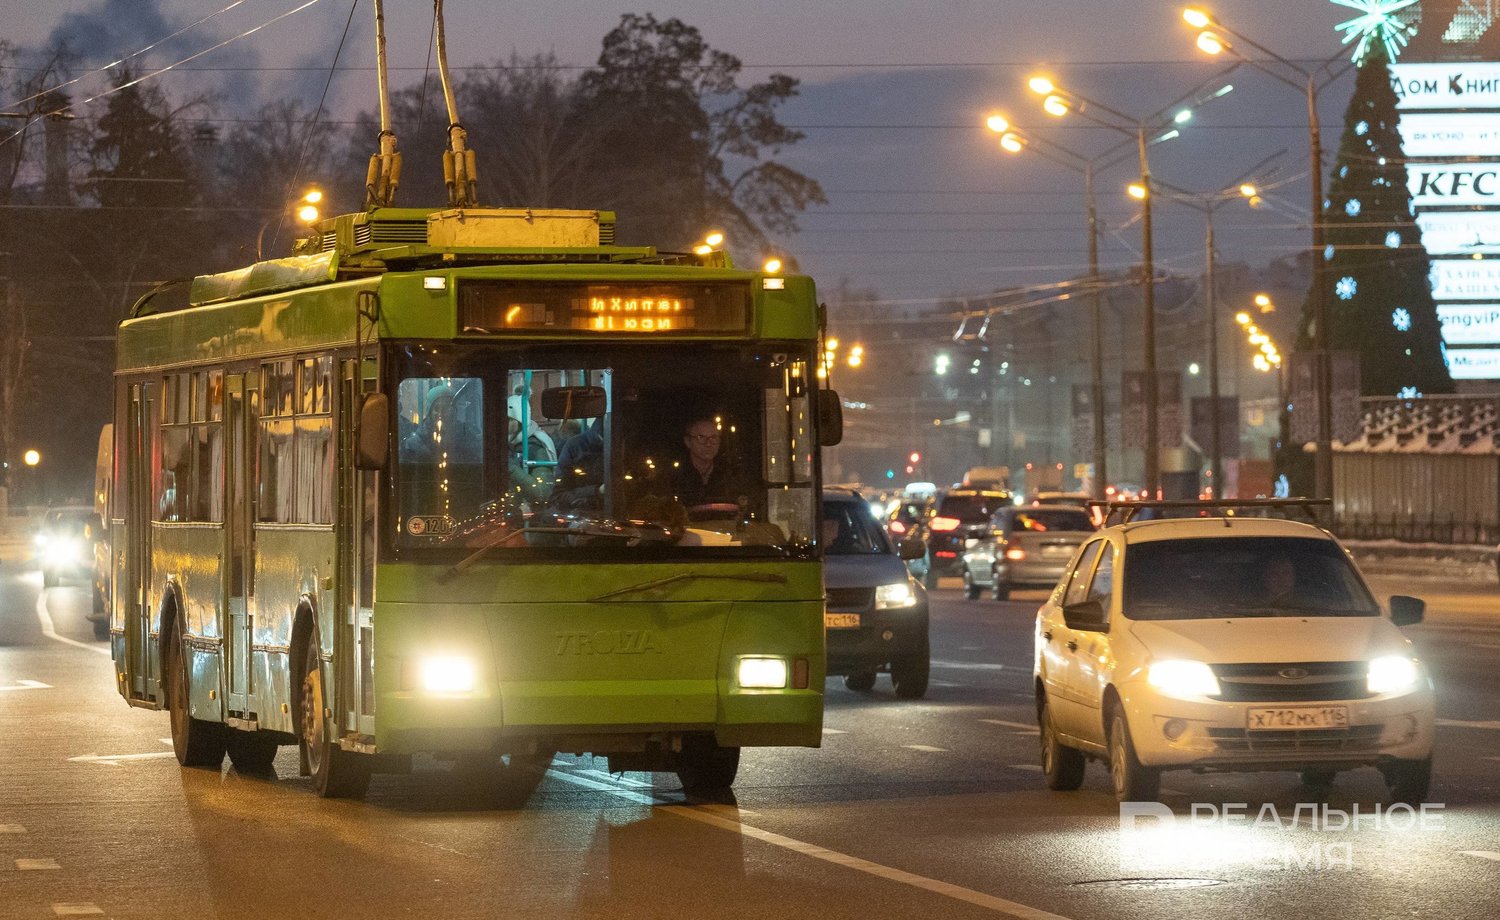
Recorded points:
(1392, 674)
(900, 594)
(1183, 679)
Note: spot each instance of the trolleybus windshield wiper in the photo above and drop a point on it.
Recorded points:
(579, 529)
(768, 578)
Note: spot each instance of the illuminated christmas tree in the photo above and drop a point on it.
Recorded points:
(1375, 269)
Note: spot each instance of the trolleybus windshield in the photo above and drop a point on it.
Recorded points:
(662, 449)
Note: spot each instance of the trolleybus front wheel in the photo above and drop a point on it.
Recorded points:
(705, 767)
(336, 773)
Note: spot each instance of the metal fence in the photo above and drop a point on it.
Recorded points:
(1424, 471)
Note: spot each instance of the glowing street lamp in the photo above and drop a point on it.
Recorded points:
(304, 208)
(32, 457)
(1211, 40)
(1059, 102)
(1013, 141)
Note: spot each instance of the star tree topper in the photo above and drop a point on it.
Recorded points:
(1377, 22)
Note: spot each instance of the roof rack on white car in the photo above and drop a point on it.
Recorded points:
(1120, 512)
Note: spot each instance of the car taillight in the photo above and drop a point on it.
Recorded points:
(1015, 553)
(944, 524)
(898, 527)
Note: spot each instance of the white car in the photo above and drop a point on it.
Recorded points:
(1227, 644)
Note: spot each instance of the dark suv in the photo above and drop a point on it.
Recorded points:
(876, 614)
(963, 517)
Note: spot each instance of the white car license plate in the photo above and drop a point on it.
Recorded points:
(1307, 717)
(840, 620)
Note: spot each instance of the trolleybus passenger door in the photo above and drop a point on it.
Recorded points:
(356, 569)
(239, 568)
(140, 423)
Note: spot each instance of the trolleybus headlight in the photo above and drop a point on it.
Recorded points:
(888, 597)
(763, 673)
(447, 674)
(1392, 674)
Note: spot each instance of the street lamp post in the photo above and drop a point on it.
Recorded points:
(1206, 204)
(305, 209)
(1059, 102)
(1211, 41)
(1015, 141)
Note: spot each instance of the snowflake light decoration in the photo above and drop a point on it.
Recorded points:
(1393, 240)
(1377, 23)
(1328, 253)
(1346, 288)
(1362, 128)
(1351, 207)
(1408, 393)
(1401, 319)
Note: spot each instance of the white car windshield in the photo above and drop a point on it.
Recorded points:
(1242, 577)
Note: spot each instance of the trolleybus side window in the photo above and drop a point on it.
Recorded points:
(190, 478)
(313, 442)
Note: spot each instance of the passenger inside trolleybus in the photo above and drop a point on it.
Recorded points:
(607, 495)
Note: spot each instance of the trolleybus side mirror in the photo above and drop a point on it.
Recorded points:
(574, 402)
(373, 435)
(830, 418)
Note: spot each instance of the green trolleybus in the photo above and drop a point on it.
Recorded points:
(429, 486)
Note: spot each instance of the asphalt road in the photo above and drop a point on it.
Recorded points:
(910, 809)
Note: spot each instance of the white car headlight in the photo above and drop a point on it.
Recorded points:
(1392, 674)
(61, 552)
(1183, 679)
(447, 674)
(900, 594)
(763, 673)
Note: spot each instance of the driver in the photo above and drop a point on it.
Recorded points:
(704, 477)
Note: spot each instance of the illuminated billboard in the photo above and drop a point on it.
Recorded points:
(1446, 77)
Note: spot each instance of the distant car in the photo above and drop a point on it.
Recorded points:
(1227, 644)
(65, 544)
(1080, 499)
(908, 521)
(876, 613)
(1027, 546)
(962, 518)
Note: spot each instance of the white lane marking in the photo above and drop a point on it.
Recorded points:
(1460, 723)
(1024, 728)
(946, 683)
(113, 760)
(31, 864)
(12, 829)
(973, 666)
(84, 909)
(1028, 767)
(927, 748)
(1482, 854)
(165, 740)
(971, 648)
(722, 816)
(834, 731)
(947, 889)
(49, 629)
(27, 685)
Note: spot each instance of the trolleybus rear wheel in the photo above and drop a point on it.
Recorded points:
(197, 743)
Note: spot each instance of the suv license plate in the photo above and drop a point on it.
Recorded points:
(840, 620)
(1310, 717)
